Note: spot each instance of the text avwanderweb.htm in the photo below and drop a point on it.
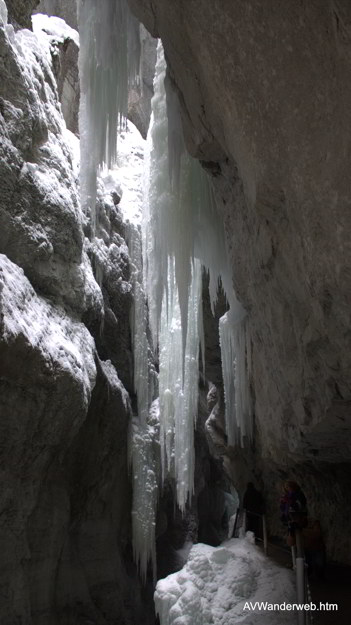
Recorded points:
(265, 606)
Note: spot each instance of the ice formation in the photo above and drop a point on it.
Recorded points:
(236, 358)
(144, 436)
(144, 458)
(181, 233)
(108, 62)
(173, 279)
(127, 181)
(219, 585)
(3, 12)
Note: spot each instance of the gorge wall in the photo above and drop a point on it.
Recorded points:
(265, 95)
(65, 494)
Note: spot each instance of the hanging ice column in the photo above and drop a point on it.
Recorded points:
(173, 283)
(108, 62)
(144, 433)
(181, 224)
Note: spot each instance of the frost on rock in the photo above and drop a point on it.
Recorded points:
(108, 62)
(64, 344)
(217, 582)
(41, 222)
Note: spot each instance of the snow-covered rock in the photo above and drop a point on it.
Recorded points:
(61, 346)
(42, 226)
(65, 492)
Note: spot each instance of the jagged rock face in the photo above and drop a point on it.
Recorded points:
(65, 495)
(20, 12)
(67, 9)
(265, 95)
(67, 77)
(41, 222)
(139, 98)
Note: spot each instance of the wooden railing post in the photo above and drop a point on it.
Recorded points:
(264, 532)
(300, 576)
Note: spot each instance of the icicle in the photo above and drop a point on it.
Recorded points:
(173, 284)
(185, 424)
(143, 371)
(175, 135)
(236, 357)
(200, 234)
(3, 12)
(144, 438)
(178, 401)
(107, 38)
(181, 232)
(144, 457)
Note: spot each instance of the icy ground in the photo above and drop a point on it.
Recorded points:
(216, 582)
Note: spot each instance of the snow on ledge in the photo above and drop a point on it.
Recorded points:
(216, 583)
(54, 26)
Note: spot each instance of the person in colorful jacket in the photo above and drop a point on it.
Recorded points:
(293, 507)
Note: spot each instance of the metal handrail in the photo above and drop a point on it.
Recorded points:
(298, 559)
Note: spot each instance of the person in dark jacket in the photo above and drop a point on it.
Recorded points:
(314, 548)
(293, 508)
(253, 503)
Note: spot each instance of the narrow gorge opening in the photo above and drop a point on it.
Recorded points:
(173, 369)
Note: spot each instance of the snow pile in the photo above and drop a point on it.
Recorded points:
(217, 582)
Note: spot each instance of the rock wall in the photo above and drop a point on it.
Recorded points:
(265, 95)
(19, 12)
(139, 98)
(65, 494)
(67, 9)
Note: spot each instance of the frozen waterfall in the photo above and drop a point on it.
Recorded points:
(108, 62)
(173, 282)
(181, 237)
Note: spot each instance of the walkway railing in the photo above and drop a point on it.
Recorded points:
(298, 560)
